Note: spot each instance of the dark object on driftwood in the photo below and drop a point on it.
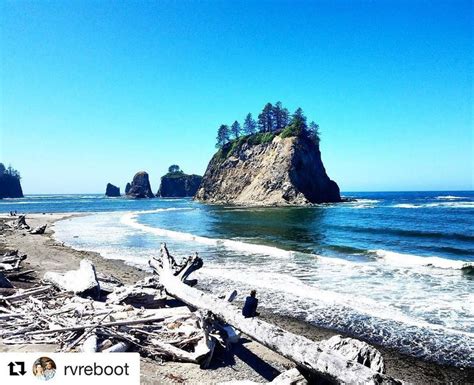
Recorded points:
(308, 354)
(5, 282)
(39, 230)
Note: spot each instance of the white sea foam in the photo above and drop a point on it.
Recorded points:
(406, 206)
(409, 260)
(288, 285)
(460, 205)
(448, 197)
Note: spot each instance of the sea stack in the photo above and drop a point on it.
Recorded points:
(140, 186)
(268, 169)
(112, 191)
(177, 184)
(10, 186)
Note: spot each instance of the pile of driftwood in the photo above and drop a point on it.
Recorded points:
(11, 268)
(87, 311)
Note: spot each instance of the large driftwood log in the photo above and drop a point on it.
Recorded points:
(83, 281)
(38, 230)
(304, 352)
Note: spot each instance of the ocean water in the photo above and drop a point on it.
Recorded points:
(387, 268)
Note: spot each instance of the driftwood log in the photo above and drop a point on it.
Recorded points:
(83, 281)
(38, 230)
(304, 352)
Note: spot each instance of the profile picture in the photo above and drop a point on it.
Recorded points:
(44, 368)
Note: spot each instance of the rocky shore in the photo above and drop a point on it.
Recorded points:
(247, 360)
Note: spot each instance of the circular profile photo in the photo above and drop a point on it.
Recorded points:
(44, 368)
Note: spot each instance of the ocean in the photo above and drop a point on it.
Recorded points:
(387, 268)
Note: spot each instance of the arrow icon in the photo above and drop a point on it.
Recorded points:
(14, 372)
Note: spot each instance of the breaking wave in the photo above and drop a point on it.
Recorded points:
(407, 260)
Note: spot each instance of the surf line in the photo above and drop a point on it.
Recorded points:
(130, 219)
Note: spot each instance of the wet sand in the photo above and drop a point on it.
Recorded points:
(246, 361)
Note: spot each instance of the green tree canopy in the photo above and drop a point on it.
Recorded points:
(235, 129)
(223, 135)
(174, 168)
(314, 131)
(265, 119)
(250, 125)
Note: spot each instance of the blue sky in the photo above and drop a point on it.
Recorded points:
(93, 91)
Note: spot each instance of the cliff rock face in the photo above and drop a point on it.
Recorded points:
(280, 172)
(10, 187)
(127, 188)
(140, 186)
(179, 184)
(112, 191)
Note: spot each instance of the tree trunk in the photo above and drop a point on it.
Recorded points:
(304, 352)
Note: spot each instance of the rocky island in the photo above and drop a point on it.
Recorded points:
(140, 186)
(10, 186)
(279, 165)
(112, 191)
(177, 184)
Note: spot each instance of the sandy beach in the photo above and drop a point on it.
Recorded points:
(247, 360)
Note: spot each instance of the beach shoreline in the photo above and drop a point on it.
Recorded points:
(45, 253)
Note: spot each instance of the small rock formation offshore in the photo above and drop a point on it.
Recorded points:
(140, 186)
(274, 171)
(10, 186)
(112, 191)
(178, 185)
(127, 188)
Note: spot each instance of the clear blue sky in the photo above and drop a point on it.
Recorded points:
(93, 91)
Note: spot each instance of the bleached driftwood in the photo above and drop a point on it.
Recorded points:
(108, 283)
(117, 348)
(83, 281)
(138, 297)
(90, 344)
(290, 377)
(356, 350)
(20, 223)
(159, 315)
(38, 230)
(27, 293)
(304, 352)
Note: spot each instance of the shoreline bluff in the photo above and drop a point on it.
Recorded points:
(47, 254)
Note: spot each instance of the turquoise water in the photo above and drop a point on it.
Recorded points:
(386, 268)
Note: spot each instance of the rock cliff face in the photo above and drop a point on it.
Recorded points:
(140, 186)
(280, 172)
(178, 184)
(112, 191)
(10, 187)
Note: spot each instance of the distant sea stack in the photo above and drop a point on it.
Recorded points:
(177, 184)
(140, 186)
(272, 161)
(112, 191)
(10, 186)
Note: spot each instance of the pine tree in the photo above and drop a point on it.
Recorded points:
(222, 135)
(299, 119)
(314, 132)
(280, 117)
(174, 168)
(235, 129)
(265, 119)
(250, 125)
